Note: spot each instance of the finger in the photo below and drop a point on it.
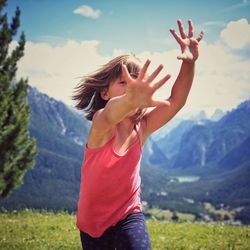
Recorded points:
(177, 37)
(190, 28)
(181, 57)
(155, 74)
(157, 103)
(200, 36)
(161, 82)
(193, 42)
(182, 32)
(126, 74)
(144, 70)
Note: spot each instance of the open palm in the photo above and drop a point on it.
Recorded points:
(188, 44)
(140, 91)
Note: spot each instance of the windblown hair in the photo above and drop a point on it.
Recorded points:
(88, 91)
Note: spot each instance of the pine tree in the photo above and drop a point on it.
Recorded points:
(17, 150)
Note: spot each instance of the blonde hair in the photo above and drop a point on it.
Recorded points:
(88, 91)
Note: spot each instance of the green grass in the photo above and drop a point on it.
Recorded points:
(46, 230)
(193, 236)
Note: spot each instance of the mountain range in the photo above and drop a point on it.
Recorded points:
(215, 150)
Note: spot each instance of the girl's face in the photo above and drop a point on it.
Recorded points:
(117, 88)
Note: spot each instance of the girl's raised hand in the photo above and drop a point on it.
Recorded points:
(140, 91)
(188, 44)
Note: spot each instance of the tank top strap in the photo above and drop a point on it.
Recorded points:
(139, 132)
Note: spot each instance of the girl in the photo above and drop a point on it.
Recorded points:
(109, 214)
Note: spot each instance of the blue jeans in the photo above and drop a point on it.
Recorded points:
(128, 234)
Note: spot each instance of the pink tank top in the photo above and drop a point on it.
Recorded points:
(110, 186)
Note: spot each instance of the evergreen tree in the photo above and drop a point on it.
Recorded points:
(17, 151)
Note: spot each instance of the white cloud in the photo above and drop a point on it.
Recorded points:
(222, 77)
(57, 70)
(88, 11)
(236, 34)
(221, 80)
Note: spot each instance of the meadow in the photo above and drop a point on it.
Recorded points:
(35, 230)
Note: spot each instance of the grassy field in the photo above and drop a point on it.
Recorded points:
(33, 230)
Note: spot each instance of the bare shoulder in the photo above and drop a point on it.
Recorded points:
(99, 134)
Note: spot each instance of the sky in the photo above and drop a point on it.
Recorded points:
(68, 39)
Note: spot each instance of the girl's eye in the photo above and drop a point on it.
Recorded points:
(123, 82)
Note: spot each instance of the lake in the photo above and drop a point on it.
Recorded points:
(186, 178)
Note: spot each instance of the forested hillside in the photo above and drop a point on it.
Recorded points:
(199, 162)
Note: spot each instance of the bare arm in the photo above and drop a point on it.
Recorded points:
(181, 88)
(115, 110)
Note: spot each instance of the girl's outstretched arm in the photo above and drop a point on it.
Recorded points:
(139, 94)
(159, 116)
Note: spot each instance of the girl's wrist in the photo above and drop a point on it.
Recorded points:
(189, 63)
(129, 102)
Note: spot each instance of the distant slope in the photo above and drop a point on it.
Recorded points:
(238, 156)
(61, 134)
(215, 151)
(196, 144)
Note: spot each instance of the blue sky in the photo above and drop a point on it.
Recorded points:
(132, 25)
(69, 38)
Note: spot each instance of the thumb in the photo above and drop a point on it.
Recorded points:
(181, 57)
